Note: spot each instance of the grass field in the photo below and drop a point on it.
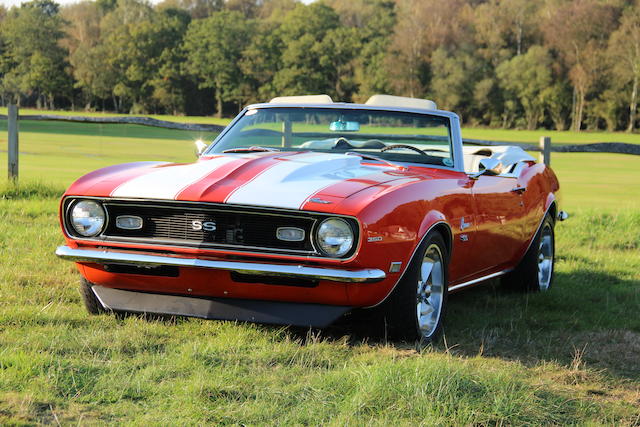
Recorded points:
(569, 356)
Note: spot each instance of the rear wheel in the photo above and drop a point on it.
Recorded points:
(89, 298)
(535, 271)
(416, 307)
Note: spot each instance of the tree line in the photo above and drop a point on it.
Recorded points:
(504, 63)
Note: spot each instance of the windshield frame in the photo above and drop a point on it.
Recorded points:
(454, 126)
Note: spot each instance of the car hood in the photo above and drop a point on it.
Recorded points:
(281, 180)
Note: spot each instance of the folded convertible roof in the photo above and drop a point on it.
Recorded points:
(375, 100)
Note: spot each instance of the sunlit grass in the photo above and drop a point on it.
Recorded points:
(564, 357)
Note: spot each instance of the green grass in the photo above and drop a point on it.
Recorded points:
(569, 356)
(557, 137)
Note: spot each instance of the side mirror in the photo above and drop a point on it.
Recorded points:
(200, 147)
(488, 166)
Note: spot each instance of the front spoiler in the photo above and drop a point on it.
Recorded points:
(271, 312)
(367, 275)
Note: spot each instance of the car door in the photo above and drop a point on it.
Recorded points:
(499, 220)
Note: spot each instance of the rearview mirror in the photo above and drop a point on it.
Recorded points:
(201, 146)
(342, 126)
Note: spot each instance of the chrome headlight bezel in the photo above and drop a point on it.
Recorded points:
(94, 224)
(335, 250)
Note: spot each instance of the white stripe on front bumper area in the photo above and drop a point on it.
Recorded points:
(366, 275)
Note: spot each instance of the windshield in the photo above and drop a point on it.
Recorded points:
(389, 135)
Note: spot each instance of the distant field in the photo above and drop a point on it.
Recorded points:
(60, 152)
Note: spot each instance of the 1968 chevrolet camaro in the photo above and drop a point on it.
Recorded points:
(303, 209)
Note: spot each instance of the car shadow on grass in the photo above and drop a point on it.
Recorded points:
(587, 319)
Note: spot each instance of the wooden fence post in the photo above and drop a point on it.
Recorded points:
(12, 119)
(545, 150)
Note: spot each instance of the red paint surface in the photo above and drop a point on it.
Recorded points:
(399, 206)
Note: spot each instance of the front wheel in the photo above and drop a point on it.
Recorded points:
(415, 310)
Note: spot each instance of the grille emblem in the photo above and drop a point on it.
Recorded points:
(203, 225)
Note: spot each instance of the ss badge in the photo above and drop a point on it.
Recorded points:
(203, 225)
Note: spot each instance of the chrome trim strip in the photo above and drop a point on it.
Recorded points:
(480, 279)
(368, 275)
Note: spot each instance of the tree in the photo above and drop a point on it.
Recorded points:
(214, 49)
(528, 77)
(624, 50)
(579, 31)
(503, 27)
(454, 80)
(308, 62)
(83, 34)
(198, 9)
(373, 21)
(35, 63)
(168, 81)
(261, 61)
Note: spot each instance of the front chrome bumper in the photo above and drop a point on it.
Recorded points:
(367, 275)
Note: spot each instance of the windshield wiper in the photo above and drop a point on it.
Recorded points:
(248, 149)
(377, 159)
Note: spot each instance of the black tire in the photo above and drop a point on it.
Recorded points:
(400, 311)
(533, 273)
(90, 300)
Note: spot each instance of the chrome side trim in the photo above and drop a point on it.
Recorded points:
(479, 279)
(368, 275)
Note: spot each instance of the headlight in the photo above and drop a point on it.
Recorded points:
(335, 237)
(87, 218)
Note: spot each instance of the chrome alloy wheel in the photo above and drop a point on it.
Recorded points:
(545, 257)
(430, 291)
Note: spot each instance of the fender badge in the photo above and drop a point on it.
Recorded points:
(374, 239)
(318, 200)
(464, 225)
(464, 237)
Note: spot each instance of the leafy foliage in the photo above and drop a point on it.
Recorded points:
(509, 63)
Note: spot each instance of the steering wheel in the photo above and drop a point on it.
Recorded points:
(408, 147)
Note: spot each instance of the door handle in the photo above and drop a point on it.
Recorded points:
(519, 190)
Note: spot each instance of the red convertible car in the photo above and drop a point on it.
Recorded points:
(304, 209)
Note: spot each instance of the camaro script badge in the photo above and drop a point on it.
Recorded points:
(203, 225)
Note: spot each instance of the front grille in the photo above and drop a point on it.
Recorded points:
(183, 225)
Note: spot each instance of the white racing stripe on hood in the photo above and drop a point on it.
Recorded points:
(168, 182)
(292, 181)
